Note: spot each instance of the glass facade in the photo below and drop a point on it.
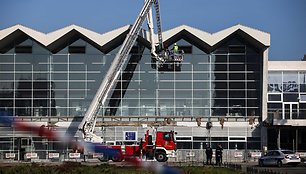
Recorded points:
(45, 84)
(286, 94)
(224, 82)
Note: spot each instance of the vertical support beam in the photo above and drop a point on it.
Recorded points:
(14, 90)
(296, 139)
(264, 113)
(264, 84)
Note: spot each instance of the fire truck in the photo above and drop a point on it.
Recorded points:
(163, 147)
(164, 142)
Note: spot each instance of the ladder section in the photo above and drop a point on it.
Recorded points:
(88, 123)
(158, 23)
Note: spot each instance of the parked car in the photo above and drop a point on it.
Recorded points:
(279, 158)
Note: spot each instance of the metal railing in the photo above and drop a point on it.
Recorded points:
(192, 156)
(228, 156)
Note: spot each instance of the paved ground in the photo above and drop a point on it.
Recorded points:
(300, 169)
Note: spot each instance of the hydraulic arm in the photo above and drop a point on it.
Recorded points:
(89, 121)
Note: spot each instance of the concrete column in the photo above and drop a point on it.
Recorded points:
(264, 83)
(296, 139)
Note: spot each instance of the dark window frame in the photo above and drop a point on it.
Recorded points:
(236, 49)
(77, 49)
(24, 49)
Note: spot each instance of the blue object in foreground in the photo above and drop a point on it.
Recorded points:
(169, 170)
(6, 118)
(98, 148)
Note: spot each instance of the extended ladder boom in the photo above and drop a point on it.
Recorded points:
(159, 31)
(158, 22)
(88, 123)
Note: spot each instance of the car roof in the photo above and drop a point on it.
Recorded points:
(282, 150)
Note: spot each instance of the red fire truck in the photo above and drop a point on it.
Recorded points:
(163, 147)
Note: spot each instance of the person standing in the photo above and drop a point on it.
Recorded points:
(209, 153)
(175, 48)
(219, 150)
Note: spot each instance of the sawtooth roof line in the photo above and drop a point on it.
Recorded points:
(211, 39)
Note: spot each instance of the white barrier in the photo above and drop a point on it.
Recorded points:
(255, 154)
(190, 154)
(30, 156)
(238, 154)
(53, 155)
(10, 155)
(74, 155)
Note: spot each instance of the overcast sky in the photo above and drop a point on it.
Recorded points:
(285, 20)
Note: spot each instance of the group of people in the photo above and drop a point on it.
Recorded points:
(218, 154)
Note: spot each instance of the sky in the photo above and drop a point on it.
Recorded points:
(285, 20)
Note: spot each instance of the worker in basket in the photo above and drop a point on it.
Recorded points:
(175, 49)
(176, 56)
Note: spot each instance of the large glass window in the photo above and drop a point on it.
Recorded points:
(290, 82)
(64, 84)
(286, 88)
(275, 82)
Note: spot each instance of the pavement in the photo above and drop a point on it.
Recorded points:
(300, 169)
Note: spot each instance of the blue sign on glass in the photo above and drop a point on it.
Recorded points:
(130, 136)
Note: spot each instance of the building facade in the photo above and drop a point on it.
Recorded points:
(286, 105)
(50, 79)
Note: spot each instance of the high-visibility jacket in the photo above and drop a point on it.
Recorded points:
(175, 49)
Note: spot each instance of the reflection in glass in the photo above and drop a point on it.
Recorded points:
(221, 83)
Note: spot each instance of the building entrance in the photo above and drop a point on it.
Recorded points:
(290, 110)
(292, 138)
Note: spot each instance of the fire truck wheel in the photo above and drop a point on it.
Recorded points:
(161, 156)
(117, 158)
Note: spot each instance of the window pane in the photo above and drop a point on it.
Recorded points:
(290, 82)
(290, 97)
(274, 82)
(274, 97)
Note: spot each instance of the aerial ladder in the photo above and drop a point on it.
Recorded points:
(88, 123)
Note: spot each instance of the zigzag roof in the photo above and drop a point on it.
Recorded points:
(214, 38)
(101, 40)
